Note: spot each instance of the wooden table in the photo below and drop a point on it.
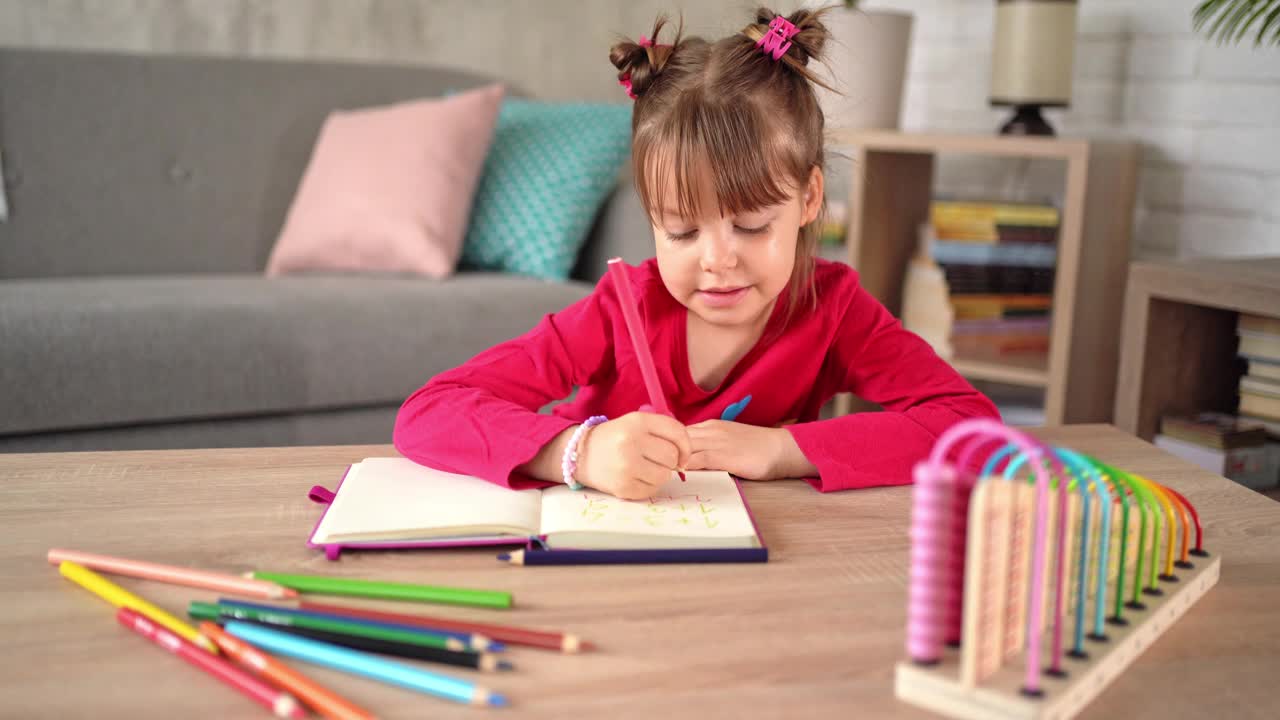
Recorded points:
(1178, 352)
(814, 633)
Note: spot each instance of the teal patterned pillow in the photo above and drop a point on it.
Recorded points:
(548, 171)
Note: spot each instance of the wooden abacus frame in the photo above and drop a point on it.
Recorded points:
(938, 687)
(1050, 683)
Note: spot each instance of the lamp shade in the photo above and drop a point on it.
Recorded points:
(1033, 52)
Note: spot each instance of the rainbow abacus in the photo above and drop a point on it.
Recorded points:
(1041, 549)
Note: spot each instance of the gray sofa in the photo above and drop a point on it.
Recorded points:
(144, 194)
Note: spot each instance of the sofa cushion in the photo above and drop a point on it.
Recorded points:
(127, 350)
(389, 188)
(551, 167)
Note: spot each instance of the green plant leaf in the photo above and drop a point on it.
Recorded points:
(1229, 21)
(1272, 17)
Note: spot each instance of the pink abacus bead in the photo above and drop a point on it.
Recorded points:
(930, 561)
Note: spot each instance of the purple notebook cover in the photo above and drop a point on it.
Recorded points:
(333, 551)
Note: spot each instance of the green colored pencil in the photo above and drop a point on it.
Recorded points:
(210, 611)
(320, 585)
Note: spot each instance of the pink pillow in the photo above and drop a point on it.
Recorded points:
(390, 188)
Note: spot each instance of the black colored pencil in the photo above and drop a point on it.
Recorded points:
(485, 662)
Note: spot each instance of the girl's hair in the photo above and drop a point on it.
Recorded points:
(727, 105)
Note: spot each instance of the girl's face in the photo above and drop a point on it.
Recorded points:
(729, 269)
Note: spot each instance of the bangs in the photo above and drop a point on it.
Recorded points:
(698, 138)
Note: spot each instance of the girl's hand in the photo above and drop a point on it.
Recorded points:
(748, 451)
(631, 457)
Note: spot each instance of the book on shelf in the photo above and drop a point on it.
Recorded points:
(1259, 345)
(1018, 254)
(1254, 466)
(1260, 386)
(1214, 429)
(994, 222)
(1266, 407)
(1263, 369)
(1272, 426)
(981, 282)
(1003, 336)
(997, 279)
(945, 211)
(1259, 324)
(994, 306)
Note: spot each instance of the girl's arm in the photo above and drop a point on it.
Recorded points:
(921, 395)
(482, 418)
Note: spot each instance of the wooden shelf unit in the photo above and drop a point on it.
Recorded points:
(892, 187)
(1179, 352)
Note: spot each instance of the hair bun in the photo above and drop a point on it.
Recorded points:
(811, 37)
(641, 64)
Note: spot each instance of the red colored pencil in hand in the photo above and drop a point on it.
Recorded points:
(281, 703)
(639, 340)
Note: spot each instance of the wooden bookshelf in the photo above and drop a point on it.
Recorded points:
(1179, 351)
(892, 187)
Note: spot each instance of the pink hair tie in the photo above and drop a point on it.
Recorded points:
(777, 41)
(625, 81)
(645, 42)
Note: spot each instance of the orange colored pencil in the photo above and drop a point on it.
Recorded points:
(175, 575)
(304, 688)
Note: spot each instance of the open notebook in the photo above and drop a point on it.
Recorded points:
(393, 502)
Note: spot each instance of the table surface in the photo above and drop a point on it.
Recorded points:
(813, 633)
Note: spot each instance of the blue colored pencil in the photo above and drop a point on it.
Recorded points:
(469, 640)
(635, 557)
(364, 664)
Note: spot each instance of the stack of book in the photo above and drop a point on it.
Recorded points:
(1260, 386)
(1228, 445)
(998, 260)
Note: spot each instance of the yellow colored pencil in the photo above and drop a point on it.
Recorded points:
(118, 596)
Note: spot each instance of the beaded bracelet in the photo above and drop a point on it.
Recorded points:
(569, 463)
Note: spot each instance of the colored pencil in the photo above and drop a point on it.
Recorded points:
(484, 662)
(175, 575)
(319, 698)
(364, 664)
(639, 339)
(635, 557)
(286, 618)
(467, 640)
(511, 635)
(281, 703)
(319, 585)
(118, 596)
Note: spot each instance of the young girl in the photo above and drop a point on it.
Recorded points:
(740, 315)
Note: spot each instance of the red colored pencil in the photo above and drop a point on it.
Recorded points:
(325, 701)
(281, 703)
(639, 339)
(512, 635)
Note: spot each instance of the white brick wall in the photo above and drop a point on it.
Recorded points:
(1208, 116)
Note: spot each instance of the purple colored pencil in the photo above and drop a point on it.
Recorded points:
(635, 557)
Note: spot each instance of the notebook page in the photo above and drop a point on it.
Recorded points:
(707, 507)
(398, 499)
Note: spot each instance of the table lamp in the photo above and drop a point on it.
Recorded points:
(1031, 61)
